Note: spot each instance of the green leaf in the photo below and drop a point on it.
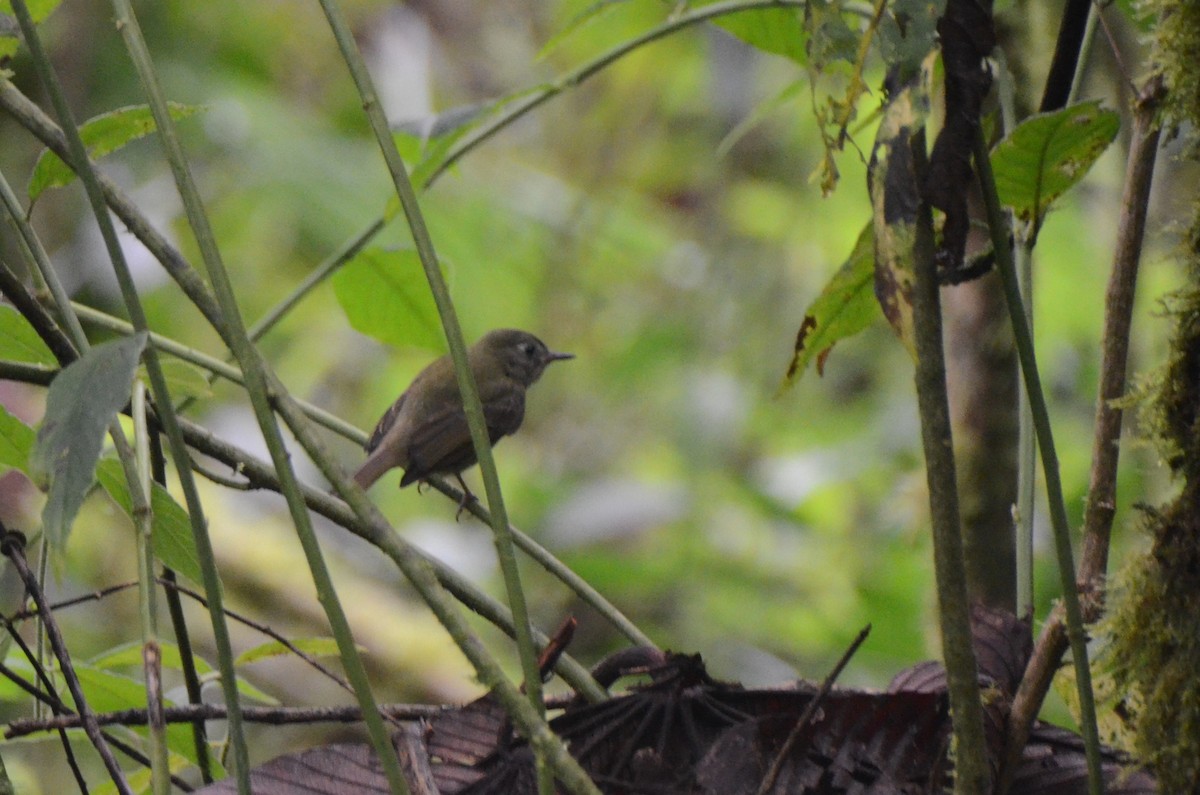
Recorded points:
(845, 307)
(10, 33)
(184, 379)
(19, 342)
(779, 31)
(384, 295)
(16, 440)
(107, 691)
(1047, 154)
(103, 135)
(171, 528)
(316, 647)
(130, 654)
(82, 401)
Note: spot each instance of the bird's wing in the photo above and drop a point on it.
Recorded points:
(442, 444)
(385, 423)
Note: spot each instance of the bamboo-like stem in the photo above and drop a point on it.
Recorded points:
(1100, 508)
(1045, 440)
(472, 406)
(77, 154)
(971, 766)
(143, 523)
(255, 372)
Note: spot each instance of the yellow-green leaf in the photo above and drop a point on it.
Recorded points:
(102, 134)
(171, 528)
(384, 295)
(845, 307)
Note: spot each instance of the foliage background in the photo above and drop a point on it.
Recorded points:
(620, 222)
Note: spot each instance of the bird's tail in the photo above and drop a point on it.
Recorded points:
(371, 470)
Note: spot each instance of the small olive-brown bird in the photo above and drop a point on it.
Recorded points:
(425, 431)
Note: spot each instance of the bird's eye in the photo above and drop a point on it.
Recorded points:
(527, 348)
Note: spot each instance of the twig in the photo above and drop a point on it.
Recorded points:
(12, 545)
(810, 709)
(189, 713)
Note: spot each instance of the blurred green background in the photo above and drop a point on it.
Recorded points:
(758, 526)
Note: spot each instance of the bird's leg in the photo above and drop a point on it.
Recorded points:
(467, 496)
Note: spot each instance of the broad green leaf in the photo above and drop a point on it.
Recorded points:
(171, 528)
(107, 691)
(130, 654)
(895, 198)
(103, 135)
(16, 440)
(81, 402)
(1047, 154)
(384, 295)
(184, 379)
(19, 342)
(845, 307)
(317, 647)
(9, 31)
(779, 31)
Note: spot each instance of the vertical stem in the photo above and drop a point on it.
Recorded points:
(971, 768)
(255, 372)
(458, 349)
(1026, 454)
(143, 520)
(162, 397)
(1045, 440)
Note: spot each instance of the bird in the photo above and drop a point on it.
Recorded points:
(425, 431)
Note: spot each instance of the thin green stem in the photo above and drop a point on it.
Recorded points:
(458, 347)
(1026, 452)
(513, 112)
(581, 73)
(77, 154)
(322, 272)
(143, 521)
(255, 371)
(216, 367)
(1045, 440)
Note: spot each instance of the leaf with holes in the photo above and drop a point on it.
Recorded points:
(845, 307)
(1047, 154)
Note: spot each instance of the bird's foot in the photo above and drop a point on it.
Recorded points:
(467, 498)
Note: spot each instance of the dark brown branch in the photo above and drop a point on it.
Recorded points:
(13, 547)
(24, 301)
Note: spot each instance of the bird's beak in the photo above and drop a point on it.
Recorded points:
(553, 356)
